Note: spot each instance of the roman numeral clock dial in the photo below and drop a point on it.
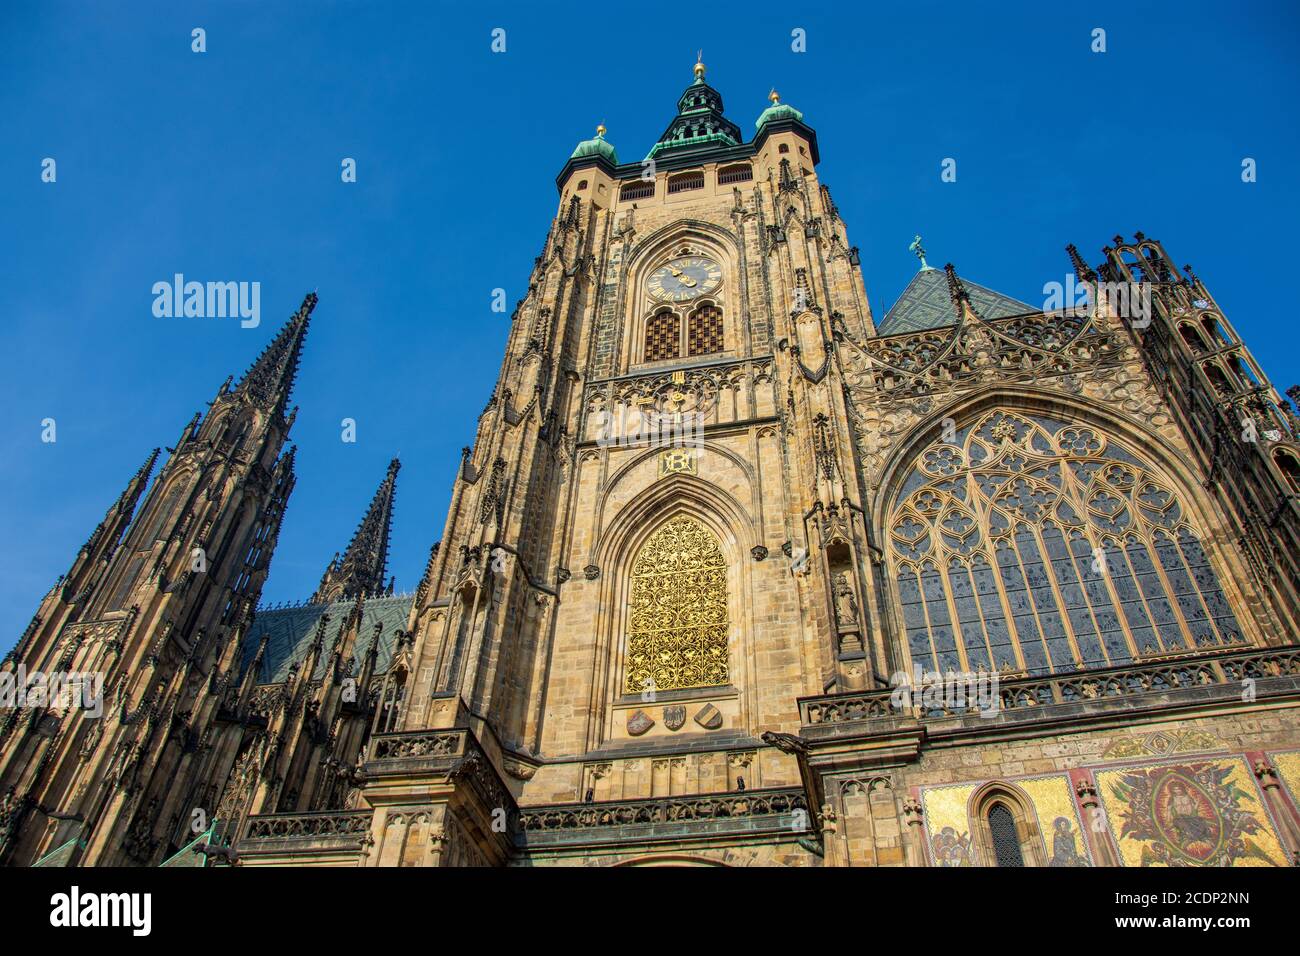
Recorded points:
(685, 278)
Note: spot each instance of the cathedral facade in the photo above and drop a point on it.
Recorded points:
(735, 572)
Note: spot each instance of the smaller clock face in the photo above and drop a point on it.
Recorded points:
(685, 278)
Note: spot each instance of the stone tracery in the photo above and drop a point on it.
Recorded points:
(1043, 546)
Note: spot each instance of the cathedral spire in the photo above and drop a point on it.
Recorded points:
(270, 379)
(956, 291)
(119, 513)
(135, 487)
(362, 568)
(699, 125)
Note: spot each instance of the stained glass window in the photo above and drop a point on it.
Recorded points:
(677, 611)
(1034, 545)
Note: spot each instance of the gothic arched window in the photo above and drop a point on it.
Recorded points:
(1289, 465)
(1042, 546)
(122, 591)
(1219, 379)
(1006, 841)
(391, 698)
(1192, 337)
(163, 517)
(663, 337)
(677, 611)
(704, 330)
(1214, 330)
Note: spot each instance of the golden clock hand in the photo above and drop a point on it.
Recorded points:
(682, 277)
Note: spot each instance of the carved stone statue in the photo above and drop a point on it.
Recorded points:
(846, 605)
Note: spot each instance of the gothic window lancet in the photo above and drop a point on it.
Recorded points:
(677, 611)
(1042, 546)
(1005, 839)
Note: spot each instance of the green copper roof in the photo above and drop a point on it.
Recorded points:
(700, 133)
(291, 630)
(925, 304)
(62, 856)
(187, 855)
(777, 111)
(598, 146)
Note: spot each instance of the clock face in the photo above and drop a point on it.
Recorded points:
(685, 278)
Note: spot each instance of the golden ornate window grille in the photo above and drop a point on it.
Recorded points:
(704, 331)
(1036, 545)
(663, 337)
(677, 611)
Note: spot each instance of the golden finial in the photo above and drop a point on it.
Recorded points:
(699, 65)
(774, 96)
(600, 129)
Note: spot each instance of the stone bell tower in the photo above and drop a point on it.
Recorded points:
(655, 542)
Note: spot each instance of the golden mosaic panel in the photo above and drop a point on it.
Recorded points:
(947, 826)
(1193, 813)
(1162, 743)
(1058, 819)
(1288, 768)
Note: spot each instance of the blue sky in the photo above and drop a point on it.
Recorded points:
(225, 166)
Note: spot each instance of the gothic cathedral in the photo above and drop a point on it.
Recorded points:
(736, 572)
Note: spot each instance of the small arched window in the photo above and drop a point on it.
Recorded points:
(686, 181)
(783, 148)
(391, 699)
(1289, 466)
(1214, 330)
(663, 336)
(1006, 841)
(1192, 337)
(637, 190)
(1244, 372)
(740, 173)
(1219, 380)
